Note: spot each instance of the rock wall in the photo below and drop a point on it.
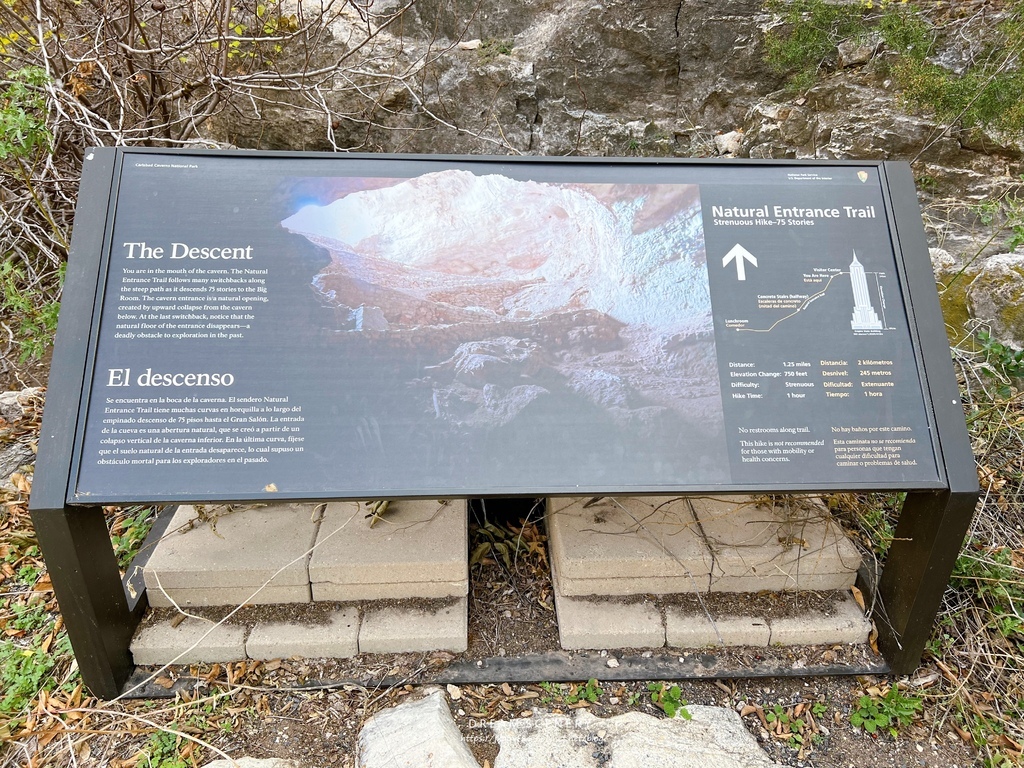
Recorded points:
(627, 78)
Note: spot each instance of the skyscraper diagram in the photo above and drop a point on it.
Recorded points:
(864, 317)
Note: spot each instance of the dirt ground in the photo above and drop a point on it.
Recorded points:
(312, 710)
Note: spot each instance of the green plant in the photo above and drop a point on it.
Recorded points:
(989, 91)
(888, 712)
(162, 751)
(906, 32)
(589, 691)
(491, 48)
(29, 617)
(877, 519)
(25, 671)
(128, 533)
(777, 714)
(35, 310)
(23, 131)
(1000, 360)
(552, 691)
(669, 700)
(992, 578)
(807, 40)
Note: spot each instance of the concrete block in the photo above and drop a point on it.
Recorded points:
(326, 591)
(757, 548)
(845, 624)
(652, 541)
(607, 623)
(199, 597)
(685, 629)
(396, 629)
(782, 582)
(419, 549)
(336, 639)
(246, 548)
(163, 644)
(726, 544)
(625, 587)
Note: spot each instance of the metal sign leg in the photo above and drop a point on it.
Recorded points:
(928, 538)
(83, 569)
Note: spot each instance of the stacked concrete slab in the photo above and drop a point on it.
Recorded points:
(223, 555)
(606, 549)
(272, 554)
(417, 550)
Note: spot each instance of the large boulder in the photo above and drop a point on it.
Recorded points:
(983, 293)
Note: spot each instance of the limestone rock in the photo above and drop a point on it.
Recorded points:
(12, 406)
(493, 361)
(253, 762)
(612, 78)
(416, 734)
(996, 297)
(729, 143)
(491, 406)
(714, 737)
(13, 456)
(858, 50)
(952, 282)
(618, 257)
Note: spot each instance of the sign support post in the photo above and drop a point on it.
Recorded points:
(92, 600)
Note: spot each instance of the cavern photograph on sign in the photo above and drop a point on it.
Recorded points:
(569, 323)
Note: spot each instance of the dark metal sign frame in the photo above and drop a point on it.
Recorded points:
(101, 617)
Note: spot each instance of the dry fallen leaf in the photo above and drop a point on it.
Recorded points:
(858, 596)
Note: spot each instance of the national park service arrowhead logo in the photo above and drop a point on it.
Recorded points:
(863, 176)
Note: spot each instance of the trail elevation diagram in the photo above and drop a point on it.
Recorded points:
(864, 316)
(867, 318)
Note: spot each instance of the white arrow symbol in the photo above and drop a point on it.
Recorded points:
(740, 254)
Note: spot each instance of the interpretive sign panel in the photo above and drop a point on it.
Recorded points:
(239, 325)
(340, 327)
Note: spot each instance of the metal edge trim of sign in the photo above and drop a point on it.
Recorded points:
(66, 390)
(938, 378)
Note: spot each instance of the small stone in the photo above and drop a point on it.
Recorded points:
(415, 734)
(858, 50)
(729, 143)
(613, 663)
